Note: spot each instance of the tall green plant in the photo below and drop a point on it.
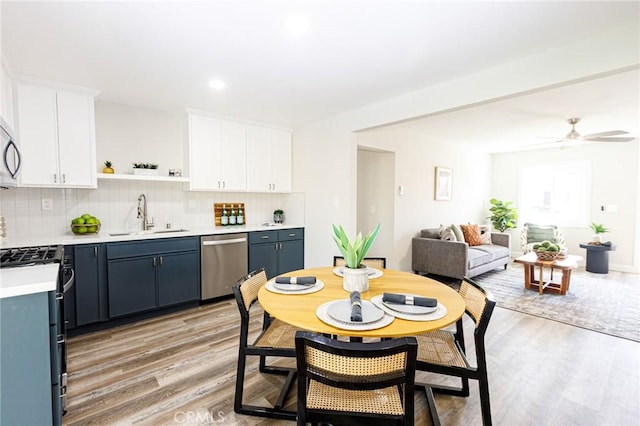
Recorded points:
(354, 252)
(503, 216)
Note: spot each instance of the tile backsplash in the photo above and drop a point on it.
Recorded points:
(115, 204)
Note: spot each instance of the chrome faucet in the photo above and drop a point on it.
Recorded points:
(142, 213)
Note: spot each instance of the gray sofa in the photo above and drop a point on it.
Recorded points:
(456, 259)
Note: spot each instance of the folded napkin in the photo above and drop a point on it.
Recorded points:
(296, 280)
(356, 306)
(401, 299)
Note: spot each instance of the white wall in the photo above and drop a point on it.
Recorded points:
(324, 152)
(416, 159)
(126, 134)
(614, 181)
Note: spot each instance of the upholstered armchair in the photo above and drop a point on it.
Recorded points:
(532, 234)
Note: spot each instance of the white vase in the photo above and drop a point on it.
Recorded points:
(597, 238)
(355, 279)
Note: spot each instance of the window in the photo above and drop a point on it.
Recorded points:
(555, 194)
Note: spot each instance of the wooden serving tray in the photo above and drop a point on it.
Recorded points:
(217, 212)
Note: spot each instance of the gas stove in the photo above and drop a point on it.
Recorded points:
(24, 256)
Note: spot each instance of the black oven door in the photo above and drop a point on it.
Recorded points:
(58, 335)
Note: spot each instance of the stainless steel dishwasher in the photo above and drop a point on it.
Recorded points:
(223, 262)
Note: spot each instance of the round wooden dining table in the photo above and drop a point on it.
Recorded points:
(299, 310)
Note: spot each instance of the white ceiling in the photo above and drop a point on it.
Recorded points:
(540, 119)
(162, 54)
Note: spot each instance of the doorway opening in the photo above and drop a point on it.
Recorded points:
(376, 199)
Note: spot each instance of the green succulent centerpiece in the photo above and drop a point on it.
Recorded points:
(354, 251)
(354, 276)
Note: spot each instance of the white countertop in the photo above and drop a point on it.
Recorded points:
(23, 280)
(104, 237)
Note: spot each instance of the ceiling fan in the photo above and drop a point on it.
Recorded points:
(573, 137)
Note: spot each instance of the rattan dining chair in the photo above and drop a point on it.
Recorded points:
(443, 352)
(355, 383)
(277, 339)
(372, 262)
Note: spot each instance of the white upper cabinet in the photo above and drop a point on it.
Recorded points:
(217, 154)
(6, 97)
(268, 159)
(57, 137)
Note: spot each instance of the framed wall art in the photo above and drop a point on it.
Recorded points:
(444, 184)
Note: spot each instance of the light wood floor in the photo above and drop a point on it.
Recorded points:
(180, 369)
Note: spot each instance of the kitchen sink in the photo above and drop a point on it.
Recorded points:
(148, 232)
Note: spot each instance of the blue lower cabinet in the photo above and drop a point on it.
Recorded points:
(178, 278)
(146, 275)
(25, 370)
(132, 285)
(277, 252)
(90, 289)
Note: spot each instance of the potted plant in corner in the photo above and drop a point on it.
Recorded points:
(597, 229)
(355, 275)
(503, 216)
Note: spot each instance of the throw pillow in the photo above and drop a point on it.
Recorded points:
(430, 233)
(456, 230)
(537, 233)
(447, 234)
(471, 234)
(485, 234)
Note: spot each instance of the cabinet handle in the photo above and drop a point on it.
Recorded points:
(64, 178)
(265, 237)
(224, 184)
(154, 261)
(55, 178)
(292, 235)
(95, 251)
(274, 186)
(218, 184)
(160, 260)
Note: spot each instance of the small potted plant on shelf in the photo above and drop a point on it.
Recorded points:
(107, 168)
(597, 229)
(146, 169)
(355, 275)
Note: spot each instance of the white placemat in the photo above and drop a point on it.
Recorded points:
(324, 316)
(436, 315)
(295, 289)
(373, 272)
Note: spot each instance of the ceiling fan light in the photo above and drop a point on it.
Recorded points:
(573, 134)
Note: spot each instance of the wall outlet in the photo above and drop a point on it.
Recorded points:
(47, 204)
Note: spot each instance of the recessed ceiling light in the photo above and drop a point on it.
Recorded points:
(296, 25)
(217, 84)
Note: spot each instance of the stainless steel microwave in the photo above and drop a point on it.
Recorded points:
(10, 160)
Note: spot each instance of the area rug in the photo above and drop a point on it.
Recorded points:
(606, 303)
